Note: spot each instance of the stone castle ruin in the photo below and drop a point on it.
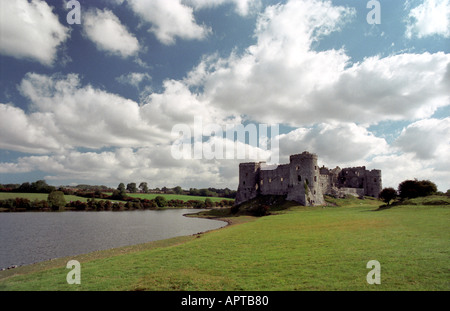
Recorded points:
(303, 181)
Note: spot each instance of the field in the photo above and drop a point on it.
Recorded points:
(185, 198)
(43, 196)
(37, 196)
(303, 248)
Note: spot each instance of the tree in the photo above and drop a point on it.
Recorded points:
(122, 189)
(387, 195)
(160, 201)
(178, 190)
(56, 200)
(208, 203)
(131, 187)
(144, 187)
(415, 188)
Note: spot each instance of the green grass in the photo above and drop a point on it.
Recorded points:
(303, 248)
(185, 198)
(37, 196)
(149, 196)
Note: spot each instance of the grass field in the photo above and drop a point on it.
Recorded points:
(185, 198)
(304, 248)
(149, 196)
(37, 196)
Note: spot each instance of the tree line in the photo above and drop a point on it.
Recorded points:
(410, 189)
(41, 186)
(56, 202)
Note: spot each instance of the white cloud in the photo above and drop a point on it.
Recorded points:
(128, 165)
(107, 32)
(26, 133)
(88, 117)
(170, 19)
(242, 7)
(178, 105)
(30, 30)
(432, 17)
(134, 78)
(426, 139)
(399, 167)
(336, 143)
(281, 79)
(66, 115)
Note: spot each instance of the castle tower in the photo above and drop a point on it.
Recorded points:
(248, 182)
(304, 180)
(373, 184)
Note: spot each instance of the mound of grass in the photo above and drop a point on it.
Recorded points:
(350, 201)
(429, 200)
(262, 205)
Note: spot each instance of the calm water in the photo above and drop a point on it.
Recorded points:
(27, 238)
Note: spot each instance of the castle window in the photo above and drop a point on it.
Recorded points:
(375, 180)
(315, 178)
(243, 183)
(299, 178)
(314, 191)
(297, 168)
(262, 182)
(315, 167)
(270, 180)
(281, 179)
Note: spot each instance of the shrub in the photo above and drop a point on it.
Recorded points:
(387, 195)
(56, 200)
(414, 188)
(160, 201)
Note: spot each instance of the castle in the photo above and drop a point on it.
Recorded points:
(303, 181)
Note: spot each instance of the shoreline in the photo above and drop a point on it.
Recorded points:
(6, 272)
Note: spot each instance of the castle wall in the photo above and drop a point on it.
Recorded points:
(248, 182)
(304, 182)
(274, 181)
(343, 192)
(373, 184)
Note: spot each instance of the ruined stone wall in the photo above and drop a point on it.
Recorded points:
(373, 184)
(248, 182)
(353, 177)
(303, 181)
(274, 181)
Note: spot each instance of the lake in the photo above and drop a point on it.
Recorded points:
(27, 238)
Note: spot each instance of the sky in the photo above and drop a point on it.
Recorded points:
(359, 83)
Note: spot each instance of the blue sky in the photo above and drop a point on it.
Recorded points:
(96, 102)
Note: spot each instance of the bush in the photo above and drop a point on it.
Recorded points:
(414, 189)
(387, 195)
(56, 200)
(208, 203)
(160, 201)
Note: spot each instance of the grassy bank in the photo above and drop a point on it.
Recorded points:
(303, 248)
(148, 196)
(185, 198)
(37, 196)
